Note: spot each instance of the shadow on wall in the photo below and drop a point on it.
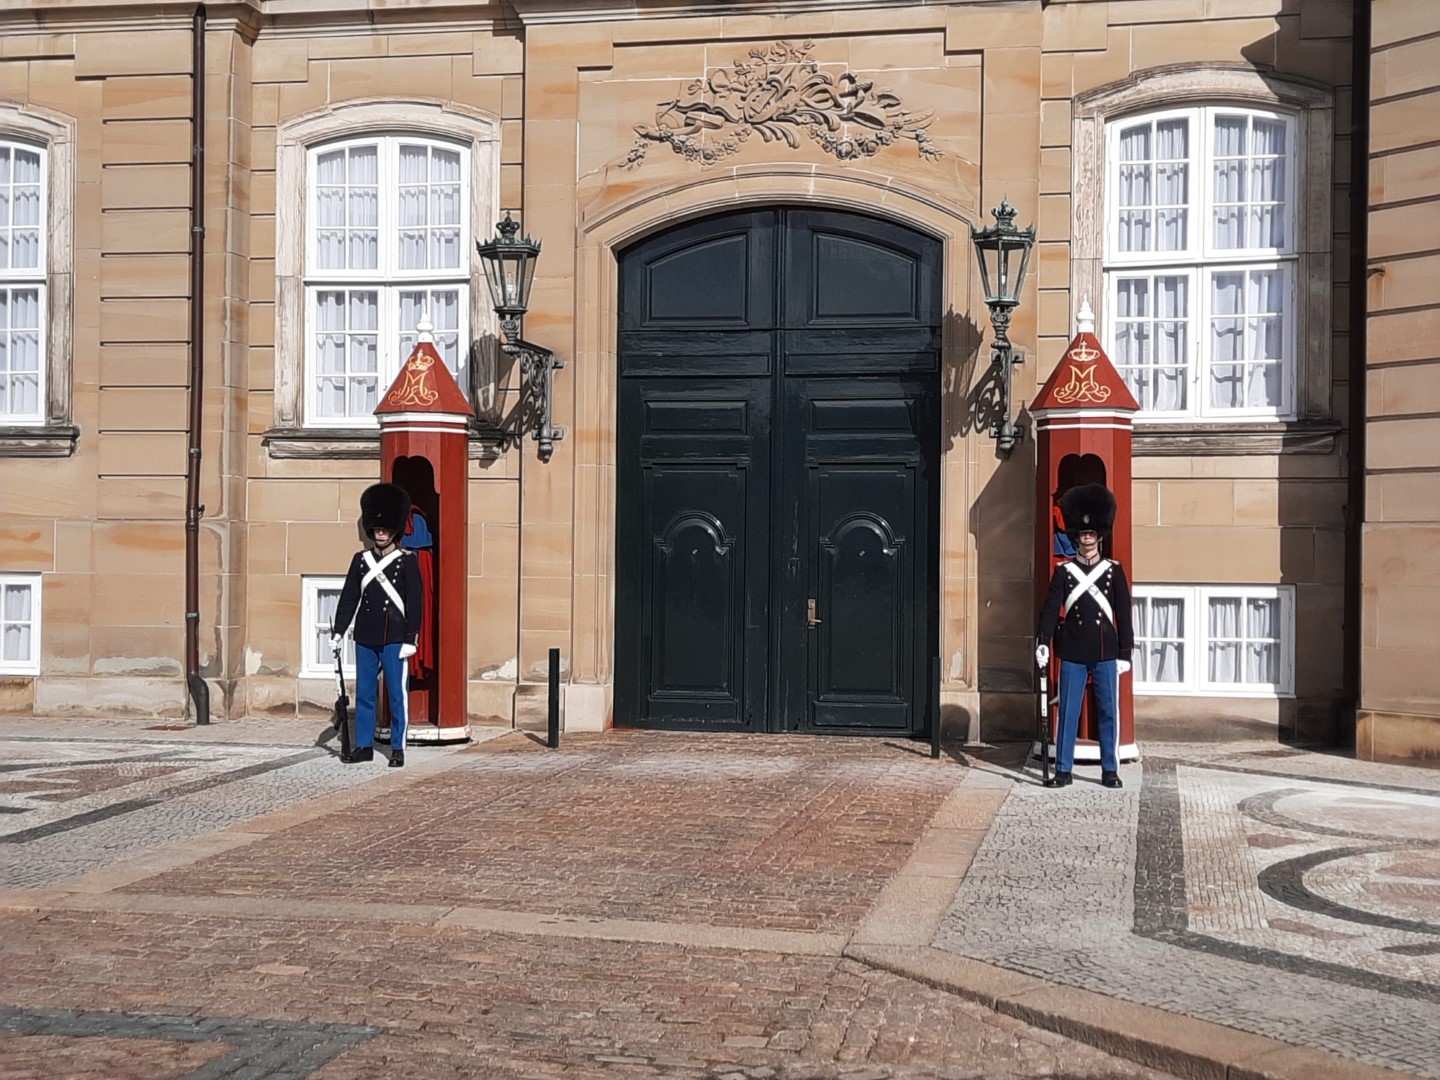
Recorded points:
(1000, 521)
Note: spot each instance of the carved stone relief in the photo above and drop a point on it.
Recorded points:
(781, 94)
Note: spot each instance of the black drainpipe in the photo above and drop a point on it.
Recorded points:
(1359, 310)
(199, 691)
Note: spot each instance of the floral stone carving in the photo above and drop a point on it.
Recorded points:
(781, 94)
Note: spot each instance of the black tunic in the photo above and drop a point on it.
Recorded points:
(377, 622)
(1085, 635)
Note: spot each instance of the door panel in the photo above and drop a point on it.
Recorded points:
(730, 525)
(859, 657)
(692, 553)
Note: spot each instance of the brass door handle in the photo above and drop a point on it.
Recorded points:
(810, 619)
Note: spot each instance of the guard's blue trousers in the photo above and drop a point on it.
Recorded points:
(1072, 694)
(368, 663)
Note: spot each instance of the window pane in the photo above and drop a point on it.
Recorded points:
(1152, 339)
(347, 208)
(21, 205)
(1154, 186)
(16, 615)
(1250, 182)
(346, 352)
(1160, 639)
(20, 367)
(1248, 339)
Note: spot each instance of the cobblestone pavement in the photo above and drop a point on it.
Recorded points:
(1289, 894)
(235, 903)
(232, 902)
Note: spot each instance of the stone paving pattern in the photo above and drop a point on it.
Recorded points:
(1153, 894)
(800, 838)
(604, 909)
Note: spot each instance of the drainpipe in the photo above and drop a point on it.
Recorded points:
(199, 691)
(1359, 310)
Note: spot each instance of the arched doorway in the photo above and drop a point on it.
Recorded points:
(778, 475)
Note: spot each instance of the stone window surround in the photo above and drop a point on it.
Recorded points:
(56, 437)
(1314, 109)
(294, 138)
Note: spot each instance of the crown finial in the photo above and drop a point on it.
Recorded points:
(508, 228)
(1085, 318)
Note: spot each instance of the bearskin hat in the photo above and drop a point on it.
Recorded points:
(1086, 507)
(384, 506)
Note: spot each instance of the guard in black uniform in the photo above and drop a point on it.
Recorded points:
(1087, 612)
(383, 595)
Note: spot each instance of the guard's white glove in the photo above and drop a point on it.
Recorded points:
(336, 643)
(1042, 655)
(407, 651)
(1122, 666)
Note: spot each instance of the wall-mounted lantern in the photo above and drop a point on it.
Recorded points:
(510, 271)
(1004, 255)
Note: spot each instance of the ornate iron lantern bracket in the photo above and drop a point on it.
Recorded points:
(510, 271)
(996, 248)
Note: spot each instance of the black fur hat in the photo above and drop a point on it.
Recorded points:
(384, 506)
(1087, 507)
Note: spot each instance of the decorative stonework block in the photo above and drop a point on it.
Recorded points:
(781, 93)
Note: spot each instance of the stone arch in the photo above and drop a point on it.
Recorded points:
(609, 225)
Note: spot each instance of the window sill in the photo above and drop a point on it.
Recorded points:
(1275, 437)
(357, 444)
(42, 440)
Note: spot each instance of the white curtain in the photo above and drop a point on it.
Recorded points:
(1250, 182)
(445, 209)
(347, 209)
(1172, 195)
(20, 352)
(347, 341)
(1262, 649)
(1152, 334)
(1161, 622)
(1230, 177)
(1225, 614)
(413, 196)
(1247, 329)
(1154, 186)
(17, 622)
(429, 210)
(363, 357)
(19, 209)
(1267, 184)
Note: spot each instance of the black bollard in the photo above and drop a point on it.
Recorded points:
(552, 738)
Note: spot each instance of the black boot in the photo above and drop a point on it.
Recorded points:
(1059, 779)
(1111, 779)
(358, 754)
(397, 759)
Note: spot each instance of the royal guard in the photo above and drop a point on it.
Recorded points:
(383, 594)
(1087, 613)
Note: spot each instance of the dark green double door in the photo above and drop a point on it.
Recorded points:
(777, 487)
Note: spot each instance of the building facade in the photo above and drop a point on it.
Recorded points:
(757, 266)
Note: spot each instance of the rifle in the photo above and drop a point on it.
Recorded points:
(341, 717)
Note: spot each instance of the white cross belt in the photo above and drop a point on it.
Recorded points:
(1085, 583)
(377, 573)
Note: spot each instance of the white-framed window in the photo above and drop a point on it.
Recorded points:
(1201, 261)
(1214, 640)
(317, 614)
(387, 242)
(20, 624)
(23, 250)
